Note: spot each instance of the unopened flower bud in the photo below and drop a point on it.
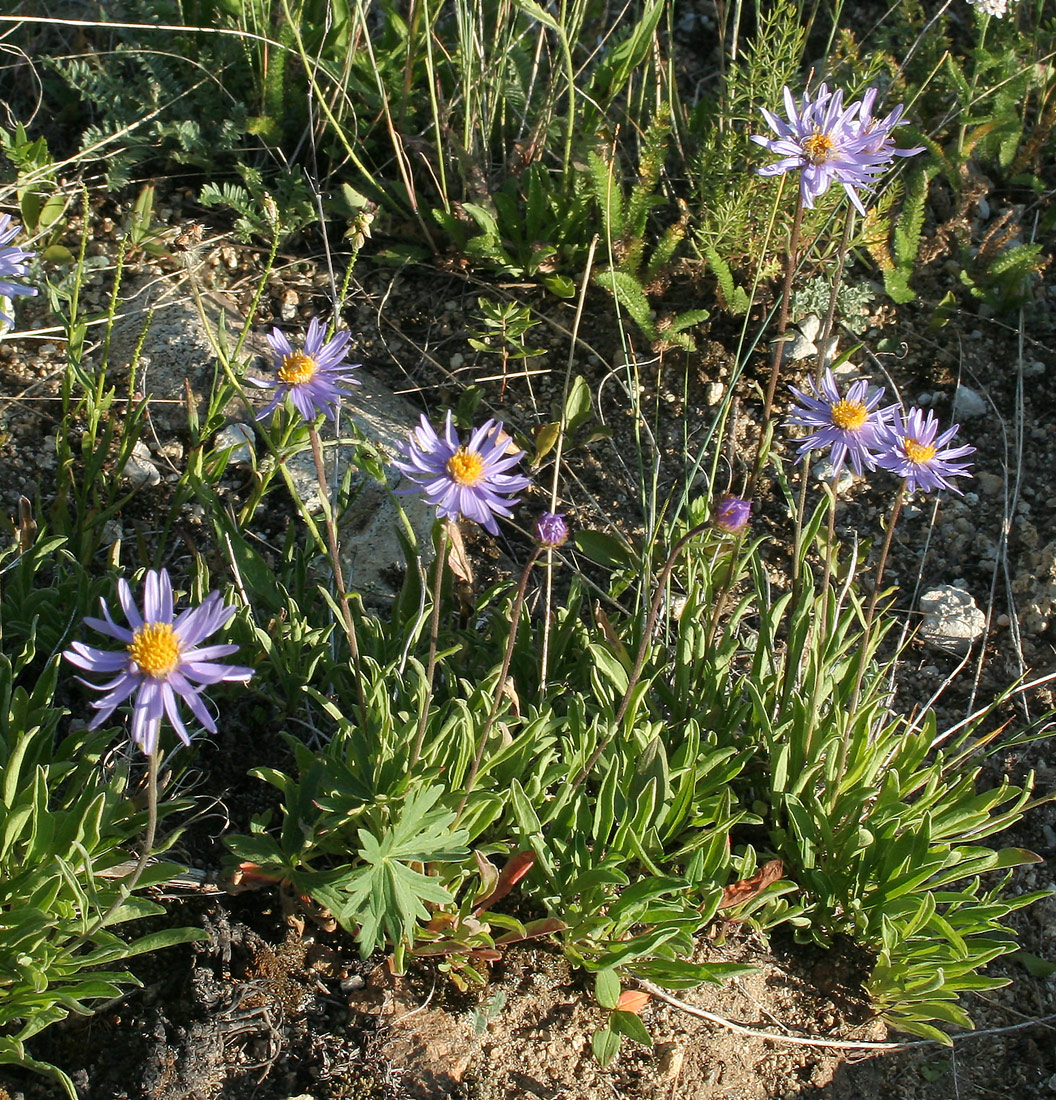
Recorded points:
(551, 530)
(732, 514)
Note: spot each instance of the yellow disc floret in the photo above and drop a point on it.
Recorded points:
(818, 147)
(466, 467)
(297, 369)
(155, 648)
(849, 415)
(917, 452)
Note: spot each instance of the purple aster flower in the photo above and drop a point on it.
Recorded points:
(853, 425)
(465, 479)
(159, 660)
(915, 451)
(551, 530)
(732, 514)
(828, 143)
(878, 131)
(12, 262)
(310, 377)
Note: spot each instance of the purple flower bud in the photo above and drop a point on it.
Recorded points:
(732, 514)
(551, 530)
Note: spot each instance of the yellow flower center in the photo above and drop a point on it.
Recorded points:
(817, 147)
(155, 649)
(849, 415)
(466, 467)
(918, 453)
(297, 369)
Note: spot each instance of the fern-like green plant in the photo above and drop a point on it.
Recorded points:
(635, 274)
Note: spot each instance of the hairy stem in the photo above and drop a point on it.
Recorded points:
(343, 597)
(434, 634)
(500, 687)
(643, 646)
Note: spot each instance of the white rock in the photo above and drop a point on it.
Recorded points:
(139, 469)
(951, 619)
(824, 471)
(370, 545)
(240, 438)
(968, 404)
(810, 326)
(797, 347)
(1033, 368)
(713, 393)
(291, 302)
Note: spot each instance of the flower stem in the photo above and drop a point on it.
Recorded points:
(863, 656)
(874, 596)
(500, 687)
(791, 262)
(335, 564)
(544, 656)
(643, 646)
(129, 884)
(719, 603)
(434, 634)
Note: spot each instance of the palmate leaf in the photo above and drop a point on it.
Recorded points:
(386, 897)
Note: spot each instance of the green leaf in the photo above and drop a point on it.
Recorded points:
(628, 291)
(577, 404)
(1033, 965)
(605, 549)
(530, 7)
(606, 1045)
(607, 988)
(627, 1023)
(546, 437)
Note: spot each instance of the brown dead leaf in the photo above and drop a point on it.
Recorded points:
(739, 892)
(457, 557)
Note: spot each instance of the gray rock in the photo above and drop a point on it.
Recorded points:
(139, 469)
(841, 482)
(991, 485)
(801, 340)
(370, 546)
(177, 355)
(240, 438)
(968, 404)
(951, 619)
(178, 362)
